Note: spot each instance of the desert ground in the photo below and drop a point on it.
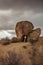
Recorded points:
(16, 54)
(22, 53)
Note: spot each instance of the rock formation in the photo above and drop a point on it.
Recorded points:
(25, 31)
(23, 28)
(34, 35)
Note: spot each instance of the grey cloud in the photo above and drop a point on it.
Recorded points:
(9, 21)
(22, 5)
(31, 10)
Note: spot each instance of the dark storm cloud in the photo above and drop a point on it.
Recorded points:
(12, 11)
(22, 4)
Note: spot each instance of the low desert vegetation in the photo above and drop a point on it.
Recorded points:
(11, 59)
(5, 41)
(38, 52)
(15, 54)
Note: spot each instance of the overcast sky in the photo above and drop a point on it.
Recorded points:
(12, 11)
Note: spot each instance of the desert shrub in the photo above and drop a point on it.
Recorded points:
(11, 59)
(37, 57)
(4, 61)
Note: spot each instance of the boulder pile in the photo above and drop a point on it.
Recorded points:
(25, 31)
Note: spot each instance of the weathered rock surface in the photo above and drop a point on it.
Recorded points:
(34, 35)
(23, 28)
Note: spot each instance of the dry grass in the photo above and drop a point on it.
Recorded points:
(22, 53)
(38, 52)
(5, 42)
(16, 54)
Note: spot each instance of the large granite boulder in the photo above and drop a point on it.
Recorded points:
(23, 28)
(34, 35)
